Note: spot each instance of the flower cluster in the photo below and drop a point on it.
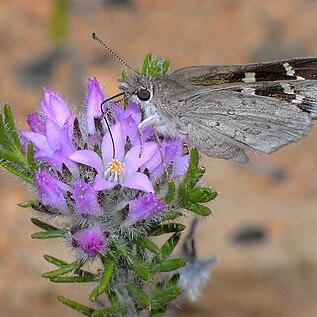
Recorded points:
(100, 180)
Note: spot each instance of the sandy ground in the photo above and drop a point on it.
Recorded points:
(276, 195)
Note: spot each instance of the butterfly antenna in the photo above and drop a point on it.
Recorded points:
(96, 38)
(104, 116)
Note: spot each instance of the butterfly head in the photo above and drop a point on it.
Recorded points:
(138, 87)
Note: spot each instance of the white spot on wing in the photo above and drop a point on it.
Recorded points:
(289, 70)
(249, 78)
(298, 99)
(287, 89)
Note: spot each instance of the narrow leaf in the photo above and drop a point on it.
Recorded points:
(4, 137)
(171, 190)
(105, 279)
(145, 67)
(53, 260)
(162, 298)
(139, 295)
(165, 228)
(43, 225)
(148, 244)
(201, 194)
(63, 270)
(11, 129)
(165, 66)
(140, 268)
(14, 170)
(85, 310)
(11, 158)
(170, 244)
(168, 265)
(197, 209)
(115, 310)
(48, 234)
(25, 204)
(74, 279)
(80, 272)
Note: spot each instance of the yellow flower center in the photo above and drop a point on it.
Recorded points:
(116, 167)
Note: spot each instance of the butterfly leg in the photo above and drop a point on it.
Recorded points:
(159, 143)
(146, 122)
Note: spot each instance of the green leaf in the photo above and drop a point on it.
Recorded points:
(4, 137)
(11, 158)
(165, 228)
(148, 244)
(197, 208)
(43, 225)
(170, 215)
(113, 311)
(25, 204)
(165, 66)
(30, 157)
(158, 312)
(11, 129)
(53, 260)
(201, 194)
(140, 268)
(170, 244)
(105, 279)
(74, 279)
(139, 295)
(168, 265)
(124, 75)
(145, 67)
(194, 172)
(16, 171)
(171, 191)
(48, 234)
(63, 270)
(80, 272)
(162, 296)
(87, 311)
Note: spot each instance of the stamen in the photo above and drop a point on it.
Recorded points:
(115, 171)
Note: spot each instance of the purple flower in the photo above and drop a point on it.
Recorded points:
(53, 143)
(36, 122)
(119, 167)
(85, 198)
(143, 208)
(172, 151)
(51, 191)
(91, 241)
(93, 101)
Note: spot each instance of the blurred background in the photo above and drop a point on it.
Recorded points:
(264, 220)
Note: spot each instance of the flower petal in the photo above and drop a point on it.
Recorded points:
(51, 190)
(133, 160)
(89, 158)
(93, 102)
(39, 141)
(36, 122)
(91, 241)
(55, 108)
(85, 198)
(102, 184)
(139, 181)
(107, 145)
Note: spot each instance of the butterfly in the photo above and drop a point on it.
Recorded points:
(227, 110)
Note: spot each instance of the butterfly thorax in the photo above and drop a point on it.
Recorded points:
(141, 89)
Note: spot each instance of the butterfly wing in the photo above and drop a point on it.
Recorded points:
(226, 121)
(290, 69)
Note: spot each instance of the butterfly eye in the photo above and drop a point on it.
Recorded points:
(143, 94)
